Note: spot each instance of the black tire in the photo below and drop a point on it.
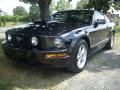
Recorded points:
(73, 66)
(110, 43)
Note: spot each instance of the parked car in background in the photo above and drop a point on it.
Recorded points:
(65, 40)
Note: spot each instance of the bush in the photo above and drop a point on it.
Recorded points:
(3, 21)
(24, 19)
(0, 22)
(117, 28)
(15, 19)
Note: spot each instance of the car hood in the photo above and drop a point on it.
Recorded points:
(50, 28)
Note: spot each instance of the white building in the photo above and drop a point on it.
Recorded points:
(114, 12)
(2, 13)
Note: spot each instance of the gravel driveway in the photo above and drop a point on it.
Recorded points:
(101, 73)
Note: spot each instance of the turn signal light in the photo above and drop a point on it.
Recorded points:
(56, 55)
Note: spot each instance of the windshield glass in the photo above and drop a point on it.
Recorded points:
(75, 16)
(59, 16)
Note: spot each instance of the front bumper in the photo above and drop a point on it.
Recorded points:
(36, 55)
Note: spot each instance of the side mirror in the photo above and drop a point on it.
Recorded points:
(99, 21)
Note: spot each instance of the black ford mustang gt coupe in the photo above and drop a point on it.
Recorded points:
(65, 39)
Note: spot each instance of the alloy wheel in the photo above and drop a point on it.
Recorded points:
(82, 56)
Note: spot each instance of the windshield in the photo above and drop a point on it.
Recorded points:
(59, 16)
(75, 16)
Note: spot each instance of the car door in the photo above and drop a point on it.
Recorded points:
(97, 34)
(109, 27)
(102, 28)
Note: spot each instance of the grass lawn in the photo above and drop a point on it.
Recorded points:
(117, 28)
(10, 24)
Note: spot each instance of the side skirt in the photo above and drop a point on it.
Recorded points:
(98, 47)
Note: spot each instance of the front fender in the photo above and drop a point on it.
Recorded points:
(75, 41)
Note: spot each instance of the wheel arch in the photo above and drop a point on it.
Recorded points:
(112, 32)
(76, 40)
(87, 40)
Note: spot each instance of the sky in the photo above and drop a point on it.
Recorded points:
(8, 5)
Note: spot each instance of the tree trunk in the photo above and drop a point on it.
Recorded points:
(44, 10)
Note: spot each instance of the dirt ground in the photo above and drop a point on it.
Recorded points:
(101, 73)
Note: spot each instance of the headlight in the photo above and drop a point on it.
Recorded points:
(59, 43)
(34, 41)
(9, 37)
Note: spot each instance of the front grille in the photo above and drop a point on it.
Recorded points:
(20, 41)
(24, 42)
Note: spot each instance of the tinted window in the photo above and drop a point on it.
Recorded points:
(59, 16)
(80, 17)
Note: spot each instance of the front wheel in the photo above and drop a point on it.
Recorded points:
(79, 57)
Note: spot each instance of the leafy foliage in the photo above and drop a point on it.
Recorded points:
(34, 12)
(14, 19)
(62, 5)
(100, 5)
(0, 21)
(19, 10)
(82, 4)
(52, 8)
(116, 4)
(36, 1)
(3, 20)
(43, 5)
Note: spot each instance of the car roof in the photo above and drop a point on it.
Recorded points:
(79, 10)
(73, 10)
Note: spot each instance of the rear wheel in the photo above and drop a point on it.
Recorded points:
(79, 57)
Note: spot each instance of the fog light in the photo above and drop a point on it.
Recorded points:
(56, 55)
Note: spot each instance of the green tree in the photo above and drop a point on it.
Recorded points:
(43, 5)
(82, 4)
(116, 4)
(34, 12)
(0, 21)
(3, 20)
(101, 5)
(62, 5)
(52, 7)
(20, 11)
(16, 19)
